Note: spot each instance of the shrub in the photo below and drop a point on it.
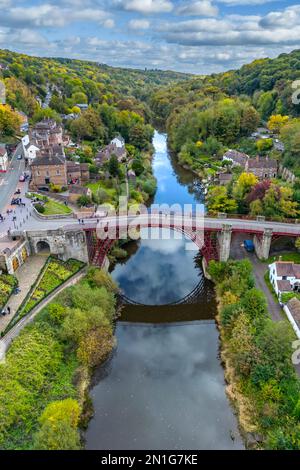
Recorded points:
(40, 208)
(59, 423)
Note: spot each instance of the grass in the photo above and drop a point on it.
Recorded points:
(294, 256)
(56, 208)
(101, 185)
(270, 287)
(51, 206)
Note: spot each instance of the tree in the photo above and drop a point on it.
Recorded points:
(218, 200)
(263, 145)
(95, 347)
(297, 243)
(58, 426)
(84, 201)
(9, 121)
(113, 166)
(276, 122)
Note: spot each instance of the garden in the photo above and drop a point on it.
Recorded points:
(46, 206)
(7, 284)
(54, 274)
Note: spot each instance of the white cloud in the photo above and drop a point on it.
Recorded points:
(289, 18)
(48, 15)
(198, 8)
(147, 6)
(245, 2)
(139, 24)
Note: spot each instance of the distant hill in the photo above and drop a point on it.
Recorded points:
(28, 77)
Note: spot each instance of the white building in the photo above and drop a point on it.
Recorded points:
(284, 276)
(29, 150)
(118, 142)
(3, 159)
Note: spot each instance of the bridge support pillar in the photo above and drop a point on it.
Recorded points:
(224, 239)
(263, 244)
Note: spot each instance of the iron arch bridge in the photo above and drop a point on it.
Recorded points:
(213, 239)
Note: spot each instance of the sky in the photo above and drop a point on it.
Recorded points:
(194, 36)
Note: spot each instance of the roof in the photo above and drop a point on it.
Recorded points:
(284, 286)
(238, 157)
(262, 162)
(225, 176)
(51, 156)
(294, 308)
(288, 268)
(78, 190)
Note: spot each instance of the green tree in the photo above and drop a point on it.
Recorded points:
(218, 200)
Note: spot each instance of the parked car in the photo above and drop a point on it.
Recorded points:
(249, 246)
(19, 157)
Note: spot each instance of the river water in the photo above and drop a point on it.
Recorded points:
(163, 387)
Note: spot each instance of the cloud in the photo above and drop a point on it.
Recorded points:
(281, 28)
(139, 24)
(288, 18)
(48, 15)
(245, 2)
(146, 6)
(198, 8)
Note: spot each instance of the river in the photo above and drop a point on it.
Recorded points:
(163, 387)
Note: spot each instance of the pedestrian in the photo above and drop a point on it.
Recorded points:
(8, 310)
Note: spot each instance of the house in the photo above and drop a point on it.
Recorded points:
(29, 150)
(261, 133)
(49, 167)
(284, 276)
(3, 159)
(46, 133)
(77, 173)
(82, 106)
(118, 141)
(292, 310)
(224, 178)
(115, 147)
(262, 167)
(236, 158)
(75, 192)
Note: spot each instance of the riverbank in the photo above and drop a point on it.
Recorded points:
(44, 401)
(256, 353)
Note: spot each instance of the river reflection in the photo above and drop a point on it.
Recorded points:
(163, 387)
(154, 274)
(164, 390)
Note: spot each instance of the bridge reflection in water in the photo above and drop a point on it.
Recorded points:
(192, 307)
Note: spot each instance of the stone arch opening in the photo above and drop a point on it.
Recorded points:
(43, 247)
(282, 243)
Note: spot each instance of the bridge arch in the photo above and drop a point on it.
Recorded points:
(42, 246)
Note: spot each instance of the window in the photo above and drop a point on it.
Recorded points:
(58, 172)
(284, 278)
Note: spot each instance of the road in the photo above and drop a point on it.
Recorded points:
(10, 180)
(237, 251)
